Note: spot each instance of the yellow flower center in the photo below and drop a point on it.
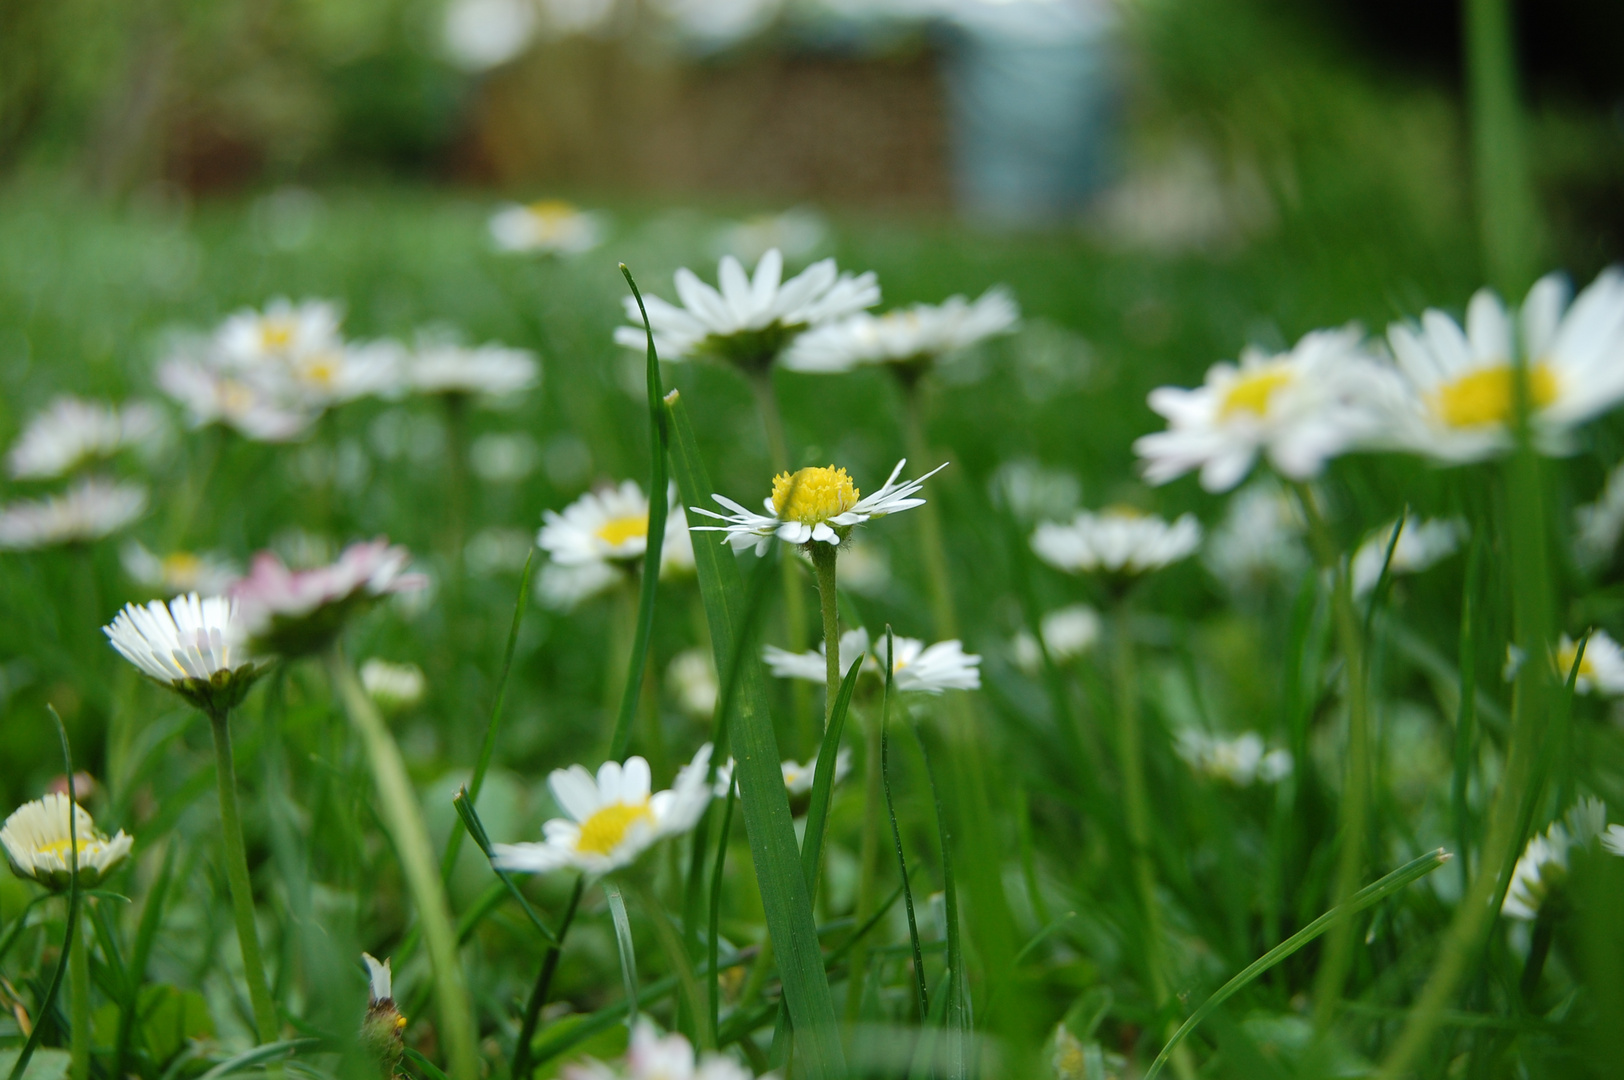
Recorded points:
(1253, 390)
(603, 831)
(617, 531)
(813, 495)
(1487, 396)
(235, 397)
(181, 566)
(322, 370)
(60, 848)
(275, 333)
(551, 211)
(1564, 662)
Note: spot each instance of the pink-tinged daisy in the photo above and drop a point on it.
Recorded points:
(293, 612)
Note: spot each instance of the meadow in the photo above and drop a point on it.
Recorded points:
(1058, 872)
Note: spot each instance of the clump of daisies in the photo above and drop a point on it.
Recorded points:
(600, 539)
(71, 432)
(41, 845)
(545, 227)
(93, 508)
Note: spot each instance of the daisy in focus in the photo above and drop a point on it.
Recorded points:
(1298, 408)
(1068, 633)
(70, 432)
(1542, 870)
(191, 645)
(1601, 671)
(612, 818)
(38, 842)
(178, 572)
(819, 503)
(438, 365)
(1421, 543)
(748, 321)
(599, 541)
(1241, 761)
(294, 612)
(548, 226)
(91, 509)
(909, 340)
(653, 1057)
(1117, 541)
(1457, 399)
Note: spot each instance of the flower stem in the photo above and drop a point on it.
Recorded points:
(544, 981)
(1333, 972)
(869, 865)
(1131, 760)
(79, 1008)
(242, 889)
(772, 421)
(823, 561)
(403, 817)
(930, 521)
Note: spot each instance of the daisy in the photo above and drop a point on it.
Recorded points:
(795, 232)
(651, 1057)
(1602, 669)
(817, 503)
(1068, 633)
(601, 538)
(691, 678)
(1241, 761)
(179, 571)
(923, 669)
(189, 645)
(292, 612)
(612, 819)
(1116, 541)
(1033, 492)
(1420, 545)
(280, 331)
(211, 396)
(748, 320)
(911, 338)
(810, 665)
(1300, 408)
(1457, 402)
(393, 686)
(91, 509)
(438, 365)
(799, 779)
(1542, 869)
(550, 226)
(1598, 526)
(1259, 540)
(383, 1029)
(37, 840)
(346, 372)
(70, 432)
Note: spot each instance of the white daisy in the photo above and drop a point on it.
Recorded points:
(910, 337)
(293, 612)
(1602, 669)
(810, 665)
(1543, 868)
(190, 645)
(818, 503)
(1420, 545)
(280, 331)
(748, 320)
(179, 571)
(551, 226)
(691, 678)
(601, 537)
(1068, 632)
(1456, 400)
(931, 669)
(70, 432)
(613, 818)
(439, 365)
(651, 1057)
(1116, 541)
(795, 232)
(563, 588)
(89, 510)
(211, 396)
(1259, 540)
(1598, 526)
(1033, 492)
(343, 373)
(37, 840)
(1300, 408)
(799, 778)
(393, 686)
(1241, 761)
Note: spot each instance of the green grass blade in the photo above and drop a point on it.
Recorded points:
(657, 510)
(1373, 893)
(487, 749)
(260, 1054)
(425, 1067)
(1466, 714)
(823, 780)
(19, 924)
(628, 949)
(476, 828)
(784, 895)
(953, 1013)
(717, 867)
(896, 833)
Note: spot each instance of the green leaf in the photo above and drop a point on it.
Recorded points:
(784, 896)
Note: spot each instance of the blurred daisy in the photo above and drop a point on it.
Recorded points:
(818, 503)
(799, 779)
(652, 1057)
(89, 510)
(190, 645)
(1068, 632)
(1542, 870)
(344, 373)
(38, 842)
(1241, 761)
(383, 1028)
(1599, 525)
(551, 226)
(393, 686)
(910, 338)
(748, 321)
(1602, 669)
(1032, 492)
(1116, 541)
(1421, 543)
(210, 396)
(70, 432)
(293, 612)
(1300, 408)
(795, 232)
(438, 365)
(1457, 397)
(280, 331)
(1260, 538)
(613, 818)
(691, 678)
(179, 571)
(601, 538)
